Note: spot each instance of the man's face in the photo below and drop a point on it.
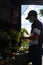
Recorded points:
(31, 19)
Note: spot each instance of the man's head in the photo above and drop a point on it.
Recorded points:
(32, 15)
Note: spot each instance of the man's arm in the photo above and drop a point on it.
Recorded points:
(32, 37)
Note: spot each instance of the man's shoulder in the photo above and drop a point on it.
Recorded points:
(38, 22)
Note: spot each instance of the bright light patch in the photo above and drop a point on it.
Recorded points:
(24, 12)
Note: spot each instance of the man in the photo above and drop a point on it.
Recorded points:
(35, 40)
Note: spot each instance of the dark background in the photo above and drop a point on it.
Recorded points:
(9, 8)
(10, 14)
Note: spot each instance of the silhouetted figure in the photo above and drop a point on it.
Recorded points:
(35, 48)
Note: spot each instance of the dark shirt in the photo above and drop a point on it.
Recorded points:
(37, 29)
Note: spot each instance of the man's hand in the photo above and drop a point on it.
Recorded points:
(31, 37)
(22, 37)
